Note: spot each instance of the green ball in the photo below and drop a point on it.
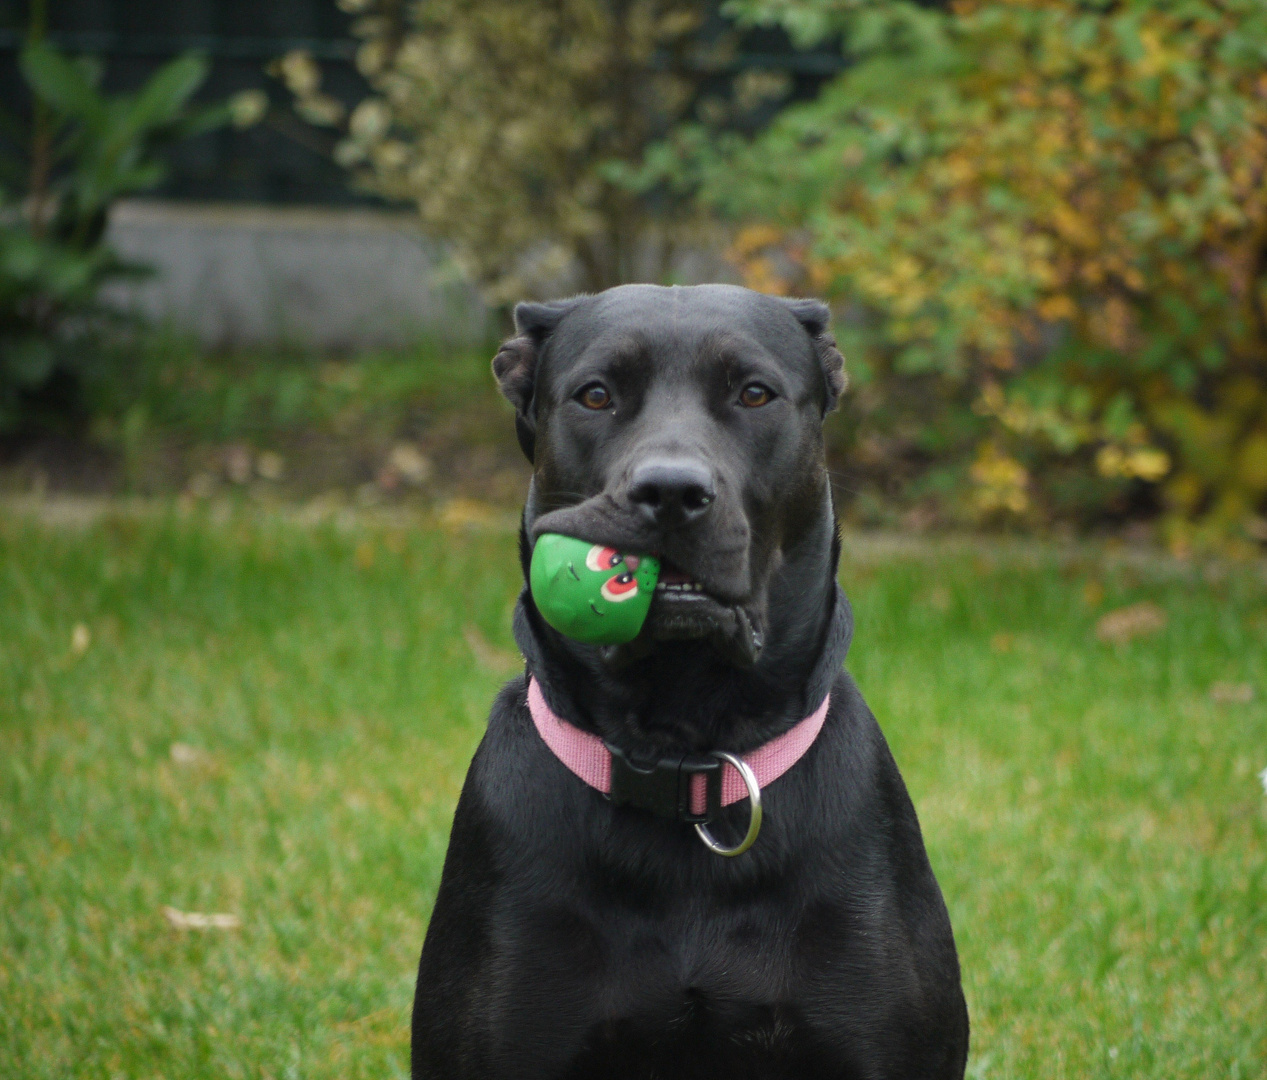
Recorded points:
(590, 592)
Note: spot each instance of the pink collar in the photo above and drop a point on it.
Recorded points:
(590, 759)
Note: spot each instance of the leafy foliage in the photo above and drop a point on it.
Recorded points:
(41, 283)
(521, 132)
(86, 149)
(1057, 211)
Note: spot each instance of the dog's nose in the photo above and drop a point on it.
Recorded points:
(672, 492)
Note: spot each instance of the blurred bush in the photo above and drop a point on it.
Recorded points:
(1043, 222)
(1045, 225)
(521, 132)
(80, 152)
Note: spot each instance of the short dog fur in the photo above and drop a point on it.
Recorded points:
(572, 938)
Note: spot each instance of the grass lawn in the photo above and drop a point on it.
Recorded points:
(255, 714)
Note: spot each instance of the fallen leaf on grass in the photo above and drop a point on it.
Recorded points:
(184, 754)
(270, 465)
(1120, 626)
(199, 920)
(466, 513)
(80, 639)
(237, 463)
(1002, 643)
(1232, 693)
(389, 1015)
(202, 485)
(486, 655)
(461, 513)
(409, 464)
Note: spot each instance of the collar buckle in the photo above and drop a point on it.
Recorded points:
(664, 786)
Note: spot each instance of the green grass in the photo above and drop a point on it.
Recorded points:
(161, 416)
(1093, 814)
(172, 386)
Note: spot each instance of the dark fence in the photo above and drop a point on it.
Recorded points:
(281, 160)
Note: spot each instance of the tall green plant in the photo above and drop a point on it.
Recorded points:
(84, 150)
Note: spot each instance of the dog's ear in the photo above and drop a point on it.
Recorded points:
(515, 365)
(815, 316)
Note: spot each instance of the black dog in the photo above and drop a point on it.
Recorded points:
(574, 936)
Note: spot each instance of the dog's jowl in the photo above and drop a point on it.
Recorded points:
(594, 918)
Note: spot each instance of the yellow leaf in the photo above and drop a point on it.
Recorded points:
(1148, 463)
(1110, 461)
(1002, 482)
(1251, 465)
(1056, 308)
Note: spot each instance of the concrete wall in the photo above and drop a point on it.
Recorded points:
(233, 274)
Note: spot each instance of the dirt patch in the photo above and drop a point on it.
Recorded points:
(416, 462)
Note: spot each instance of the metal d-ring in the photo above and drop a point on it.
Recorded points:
(754, 811)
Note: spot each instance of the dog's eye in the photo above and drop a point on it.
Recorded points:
(594, 396)
(754, 395)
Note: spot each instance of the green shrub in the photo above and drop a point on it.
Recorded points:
(86, 150)
(1052, 212)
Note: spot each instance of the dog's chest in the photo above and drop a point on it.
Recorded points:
(691, 1036)
(680, 993)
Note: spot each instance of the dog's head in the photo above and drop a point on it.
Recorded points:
(685, 422)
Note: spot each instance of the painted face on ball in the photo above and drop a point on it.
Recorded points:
(622, 584)
(591, 592)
